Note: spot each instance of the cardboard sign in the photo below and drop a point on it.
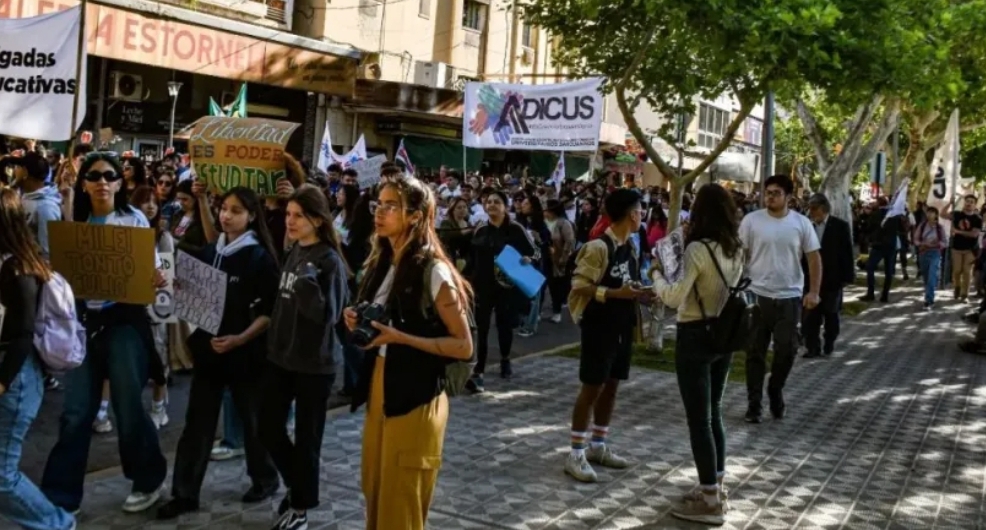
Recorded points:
(231, 152)
(104, 262)
(200, 293)
(670, 251)
(369, 171)
(162, 311)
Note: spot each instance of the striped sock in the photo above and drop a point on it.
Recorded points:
(578, 443)
(599, 433)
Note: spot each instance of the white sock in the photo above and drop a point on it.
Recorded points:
(720, 477)
(711, 495)
(103, 410)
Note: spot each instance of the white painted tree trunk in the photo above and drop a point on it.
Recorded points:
(836, 189)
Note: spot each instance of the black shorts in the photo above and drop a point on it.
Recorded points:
(605, 354)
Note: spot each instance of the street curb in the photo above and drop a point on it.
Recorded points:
(115, 471)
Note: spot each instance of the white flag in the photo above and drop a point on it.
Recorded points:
(327, 156)
(945, 168)
(898, 205)
(558, 177)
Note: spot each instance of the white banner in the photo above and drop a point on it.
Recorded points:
(945, 168)
(200, 293)
(555, 117)
(38, 59)
(327, 156)
(163, 309)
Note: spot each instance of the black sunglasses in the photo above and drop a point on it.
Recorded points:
(96, 176)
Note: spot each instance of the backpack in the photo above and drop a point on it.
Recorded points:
(731, 330)
(59, 337)
(457, 373)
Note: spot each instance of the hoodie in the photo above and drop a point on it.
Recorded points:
(311, 296)
(41, 206)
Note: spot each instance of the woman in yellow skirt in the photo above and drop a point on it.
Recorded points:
(412, 320)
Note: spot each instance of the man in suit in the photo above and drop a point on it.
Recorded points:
(837, 272)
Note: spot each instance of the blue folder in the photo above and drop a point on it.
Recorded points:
(524, 276)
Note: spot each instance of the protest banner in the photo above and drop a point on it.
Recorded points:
(230, 152)
(200, 293)
(38, 63)
(369, 171)
(163, 309)
(104, 262)
(670, 253)
(553, 117)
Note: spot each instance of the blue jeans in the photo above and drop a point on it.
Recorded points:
(21, 502)
(929, 262)
(534, 316)
(118, 355)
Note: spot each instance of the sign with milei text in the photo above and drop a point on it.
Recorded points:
(231, 152)
(104, 262)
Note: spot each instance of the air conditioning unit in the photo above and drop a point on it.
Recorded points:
(125, 86)
(433, 74)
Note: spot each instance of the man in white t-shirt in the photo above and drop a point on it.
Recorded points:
(775, 239)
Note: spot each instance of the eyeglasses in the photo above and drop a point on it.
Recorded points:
(383, 209)
(774, 193)
(96, 176)
(128, 168)
(165, 183)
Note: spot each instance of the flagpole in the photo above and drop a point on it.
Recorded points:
(79, 52)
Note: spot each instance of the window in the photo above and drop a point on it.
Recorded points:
(473, 15)
(712, 125)
(424, 8)
(754, 131)
(525, 38)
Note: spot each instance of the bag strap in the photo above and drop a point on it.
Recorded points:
(732, 289)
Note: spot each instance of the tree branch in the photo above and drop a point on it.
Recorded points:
(860, 123)
(815, 135)
(890, 119)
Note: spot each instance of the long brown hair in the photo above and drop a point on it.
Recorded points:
(315, 206)
(422, 242)
(713, 216)
(16, 239)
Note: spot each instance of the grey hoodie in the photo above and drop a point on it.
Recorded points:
(42, 206)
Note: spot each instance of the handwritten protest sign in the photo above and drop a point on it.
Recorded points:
(229, 152)
(670, 252)
(104, 262)
(369, 171)
(163, 308)
(200, 293)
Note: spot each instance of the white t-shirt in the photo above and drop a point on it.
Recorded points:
(339, 223)
(775, 246)
(440, 274)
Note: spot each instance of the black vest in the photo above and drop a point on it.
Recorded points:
(622, 267)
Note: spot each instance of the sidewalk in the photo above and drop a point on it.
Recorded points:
(886, 434)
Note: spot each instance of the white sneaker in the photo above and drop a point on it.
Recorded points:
(578, 468)
(556, 318)
(159, 416)
(137, 502)
(102, 425)
(221, 452)
(604, 456)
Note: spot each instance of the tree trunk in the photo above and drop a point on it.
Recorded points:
(836, 189)
(674, 206)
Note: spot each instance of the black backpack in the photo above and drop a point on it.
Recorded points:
(732, 329)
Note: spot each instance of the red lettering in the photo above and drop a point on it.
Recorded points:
(222, 51)
(129, 32)
(166, 45)
(184, 44)
(205, 49)
(104, 31)
(149, 43)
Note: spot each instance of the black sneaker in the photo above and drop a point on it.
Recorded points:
(812, 355)
(884, 299)
(258, 493)
(52, 384)
(753, 414)
(868, 298)
(776, 403)
(506, 371)
(176, 508)
(475, 384)
(292, 520)
(284, 505)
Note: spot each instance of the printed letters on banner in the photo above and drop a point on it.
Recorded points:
(945, 168)
(200, 293)
(38, 61)
(556, 117)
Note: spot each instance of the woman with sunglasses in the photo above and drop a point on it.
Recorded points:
(134, 173)
(119, 349)
(22, 274)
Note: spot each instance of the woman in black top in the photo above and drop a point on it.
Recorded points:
(22, 274)
(426, 328)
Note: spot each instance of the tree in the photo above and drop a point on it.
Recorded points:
(670, 53)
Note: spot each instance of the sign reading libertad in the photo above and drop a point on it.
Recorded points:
(231, 152)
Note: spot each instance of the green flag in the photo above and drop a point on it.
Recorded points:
(239, 107)
(215, 109)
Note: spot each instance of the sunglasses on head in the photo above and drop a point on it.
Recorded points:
(96, 176)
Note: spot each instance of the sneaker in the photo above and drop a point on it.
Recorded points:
(284, 505)
(52, 384)
(777, 406)
(137, 502)
(700, 512)
(605, 457)
(753, 414)
(696, 495)
(102, 425)
(221, 452)
(258, 493)
(867, 298)
(292, 520)
(176, 508)
(506, 370)
(475, 384)
(159, 416)
(578, 468)
(525, 333)
(556, 319)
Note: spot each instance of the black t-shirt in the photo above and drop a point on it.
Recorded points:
(966, 222)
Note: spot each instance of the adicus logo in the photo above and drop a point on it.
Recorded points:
(501, 112)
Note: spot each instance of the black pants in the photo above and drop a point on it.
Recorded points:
(888, 256)
(210, 378)
(298, 462)
(500, 301)
(828, 312)
(559, 288)
(779, 318)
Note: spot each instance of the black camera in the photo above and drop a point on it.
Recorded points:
(366, 313)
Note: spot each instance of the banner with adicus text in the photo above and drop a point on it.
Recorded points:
(38, 62)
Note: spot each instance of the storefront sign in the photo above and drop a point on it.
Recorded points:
(144, 117)
(134, 37)
(39, 59)
(104, 262)
(556, 117)
(405, 97)
(231, 152)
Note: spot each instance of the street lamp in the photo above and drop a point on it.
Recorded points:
(173, 88)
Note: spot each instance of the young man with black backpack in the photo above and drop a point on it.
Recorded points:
(604, 297)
